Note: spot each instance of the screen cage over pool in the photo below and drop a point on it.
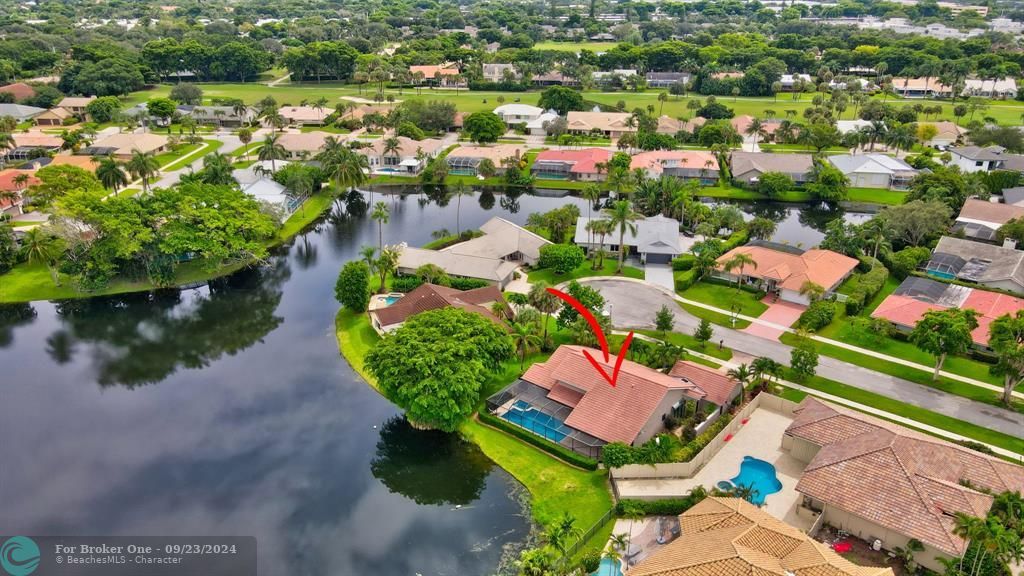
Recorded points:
(527, 405)
(463, 162)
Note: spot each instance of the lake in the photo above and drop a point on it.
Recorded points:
(227, 410)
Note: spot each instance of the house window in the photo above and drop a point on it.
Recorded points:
(978, 163)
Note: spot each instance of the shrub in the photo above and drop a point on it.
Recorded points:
(663, 507)
(466, 283)
(405, 283)
(562, 258)
(544, 444)
(684, 280)
(410, 130)
(353, 286)
(672, 422)
(867, 287)
(818, 315)
(591, 561)
(774, 184)
(692, 448)
(902, 263)
(684, 263)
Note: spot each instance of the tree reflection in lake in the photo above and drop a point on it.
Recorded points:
(414, 463)
(139, 339)
(12, 316)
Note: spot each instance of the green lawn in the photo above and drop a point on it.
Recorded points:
(252, 147)
(355, 338)
(875, 196)
(583, 271)
(180, 158)
(165, 158)
(723, 297)
(331, 129)
(688, 341)
(928, 417)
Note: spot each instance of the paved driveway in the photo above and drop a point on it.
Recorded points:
(781, 313)
(660, 274)
(632, 304)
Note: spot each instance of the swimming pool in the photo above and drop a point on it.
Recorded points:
(760, 476)
(541, 424)
(609, 567)
(391, 299)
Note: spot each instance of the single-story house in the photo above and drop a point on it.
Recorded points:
(256, 171)
(497, 72)
(298, 145)
(222, 115)
(732, 537)
(947, 134)
(847, 126)
(10, 181)
(921, 88)
(607, 76)
(444, 75)
(433, 297)
(492, 270)
(728, 75)
(52, 117)
(502, 240)
(610, 124)
(916, 296)
(410, 158)
(304, 115)
(267, 191)
(585, 412)
(788, 81)
(20, 112)
(671, 126)
(76, 104)
(980, 219)
(87, 163)
(360, 112)
(536, 127)
(874, 170)
(19, 91)
(32, 145)
(465, 160)
(749, 166)
(880, 481)
(122, 146)
(656, 240)
(768, 126)
(978, 158)
(553, 78)
(518, 113)
(571, 164)
(988, 265)
(785, 271)
(666, 79)
(1001, 88)
(686, 164)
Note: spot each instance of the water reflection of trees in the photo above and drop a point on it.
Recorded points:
(143, 338)
(418, 463)
(818, 215)
(12, 316)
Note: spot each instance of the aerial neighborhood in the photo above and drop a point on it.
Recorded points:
(517, 288)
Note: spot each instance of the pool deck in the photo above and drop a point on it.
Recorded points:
(761, 437)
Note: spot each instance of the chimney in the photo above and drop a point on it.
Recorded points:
(1010, 243)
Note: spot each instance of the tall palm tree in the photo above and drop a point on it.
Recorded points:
(271, 150)
(392, 146)
(622, 216)
(755, 129)
(346, 167)
(741, 374)
(591, 193)
(245, 137)
(240, 110)
(111, 174)
(382, 216)
(525, 338)
(602, 228)
(143, 166)
(544, 301)
(217, 170)
(459, 191)
(741, 261)
(41, 247)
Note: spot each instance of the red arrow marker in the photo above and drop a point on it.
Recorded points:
(602, 340)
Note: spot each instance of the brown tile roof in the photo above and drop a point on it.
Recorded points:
(612, 414)
(902, 480)
(823, 267)
(84, 162)
(431, 297)
(717, 387)
(985, 211)
(743, 162)
(19, 90)
(731, 537)
(38, 139)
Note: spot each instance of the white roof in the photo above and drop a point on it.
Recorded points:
(1001, 85)
(266, 190)
(20, 111)
(491, 269)
(846, 126)
(655, 234)
(517, 110)
(539, 121)
(246, 176)
(869, 164)
(501, 239)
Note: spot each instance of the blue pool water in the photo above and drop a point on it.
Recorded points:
(609, 567)
(391, 299)
(522, 414)
(759, 475)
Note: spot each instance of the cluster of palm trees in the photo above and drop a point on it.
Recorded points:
(343, 164)
(114, 174)
(995, 539)
(761, 370)
(620, 217)
(529, 329)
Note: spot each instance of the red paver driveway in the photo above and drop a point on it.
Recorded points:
(781, 313)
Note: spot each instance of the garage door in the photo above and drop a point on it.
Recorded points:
(659, 258)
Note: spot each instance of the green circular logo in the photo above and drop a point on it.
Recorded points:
(19, 556)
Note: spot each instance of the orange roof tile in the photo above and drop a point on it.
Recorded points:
(823, 267)
(717, 387)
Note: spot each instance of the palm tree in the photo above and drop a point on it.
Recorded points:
(459, 191)
(111, 174)
(764, 369)
(741, 374)
(544, 301)
(240, 110)
(602, 228)
(346, 167)
(901, 137)
(271, 150)
(813, 291)
(245, 137)
(591, 193)
(41, 247)
(392, 146)
(144, 166)
(876, 231)
(741, 261)
(622, 215)
(525, 338)
(755, 129)
(382, 216)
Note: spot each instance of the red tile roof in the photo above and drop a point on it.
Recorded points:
(657, 160)
(7, 183)
(585, 160)
(432, 297)
(19, 90)
(902, 480)
(823, 267)
(907, 311)
(612, 414)
(717, 387)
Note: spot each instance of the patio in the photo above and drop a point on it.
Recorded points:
(760, 437)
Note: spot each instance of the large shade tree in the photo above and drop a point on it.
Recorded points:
(944, 332)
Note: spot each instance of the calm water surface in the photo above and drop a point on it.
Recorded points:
(227, 410)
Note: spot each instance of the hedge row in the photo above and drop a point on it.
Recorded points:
(556, 450)
(868, 285)
(818, 315)
(691, 449)
(409, 283)
(665, 507)
(684, 263)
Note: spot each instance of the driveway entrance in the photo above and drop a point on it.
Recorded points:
(781, 313)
